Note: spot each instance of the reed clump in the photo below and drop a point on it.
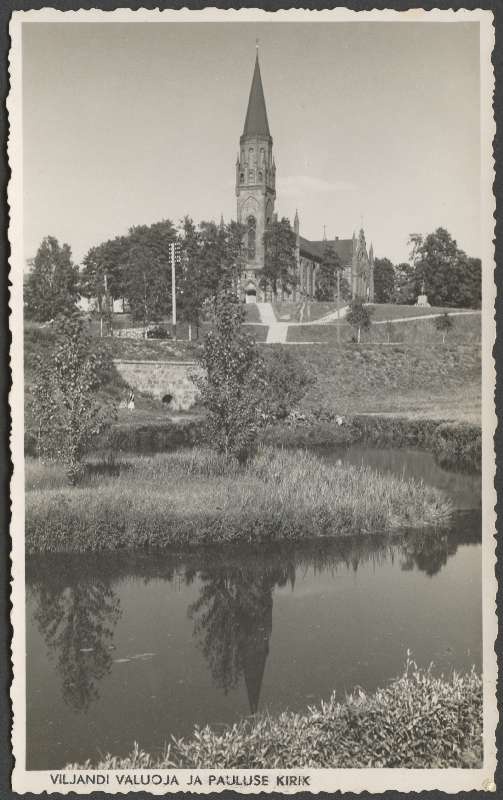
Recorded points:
(197, 496)
(419, 721)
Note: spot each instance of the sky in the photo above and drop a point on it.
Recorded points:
(130, 123)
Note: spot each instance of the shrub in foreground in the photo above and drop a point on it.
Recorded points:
(418, 722)
(69, 419)
(198, 496)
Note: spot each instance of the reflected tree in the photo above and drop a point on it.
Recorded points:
(233, 623)
(427, 553)
(77, 623)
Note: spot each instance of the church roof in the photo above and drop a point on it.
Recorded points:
(256, 123)
(343, 248)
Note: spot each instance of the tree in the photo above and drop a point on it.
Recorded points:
(148, 273)
(359, 317)
(326, 274)
(52, 286)
(233, 387)
(279, 272)
(103, 276)
(443, 323)
(235, 256)
(449, 276)
(212, 259)
(384, 280)
(65, 386)
(405, 284)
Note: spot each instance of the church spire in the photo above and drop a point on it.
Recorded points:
(256, 123)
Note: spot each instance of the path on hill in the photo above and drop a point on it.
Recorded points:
(424, 316)
(331, 317)
(277, 331)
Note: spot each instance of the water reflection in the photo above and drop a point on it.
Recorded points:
(77, 621)
(77, 599)
(233, 623)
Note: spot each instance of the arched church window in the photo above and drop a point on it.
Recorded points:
(251, 175)
(242, 177)
(260, 176)
(252, 233)
(262, 155)
(250, 155)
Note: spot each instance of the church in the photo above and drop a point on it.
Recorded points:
(256, 197)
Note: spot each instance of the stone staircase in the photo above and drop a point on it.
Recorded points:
(277, 331)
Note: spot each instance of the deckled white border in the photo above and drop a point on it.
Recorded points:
(357, 780)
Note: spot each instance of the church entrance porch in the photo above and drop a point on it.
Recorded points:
(250, 293)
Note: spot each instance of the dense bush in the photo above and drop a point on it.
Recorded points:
(418, 722)
(278, 495)
(288, 379)
(458, 445)
(158, 332)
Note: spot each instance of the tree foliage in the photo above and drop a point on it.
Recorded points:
(52, 286)
(103, 275)
(233, 386)
(212, 259)
(359, 317)
(64, 396)
(450, 277)
(148, 271)
(384, 280)
(279, 273)
(326, 274)
(405, 284)
(443, 324)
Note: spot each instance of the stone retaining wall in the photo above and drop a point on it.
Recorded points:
(160, 378)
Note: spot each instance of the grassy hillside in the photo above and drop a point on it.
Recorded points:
(384, 311)
(465, 330)
(436, 382)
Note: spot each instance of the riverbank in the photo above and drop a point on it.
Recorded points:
(418, 722)
(455, 445)
(191, 497)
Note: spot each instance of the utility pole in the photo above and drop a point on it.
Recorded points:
(338, 306)
(173, 288)
(107, 310)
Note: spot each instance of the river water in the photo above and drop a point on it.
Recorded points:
(136, 647)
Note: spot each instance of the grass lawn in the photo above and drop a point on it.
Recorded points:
(190, 497)
(418, 721)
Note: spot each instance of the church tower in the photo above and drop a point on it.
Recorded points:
(255, 183)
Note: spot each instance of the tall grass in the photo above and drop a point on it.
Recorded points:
(196, 496)
(419, 721)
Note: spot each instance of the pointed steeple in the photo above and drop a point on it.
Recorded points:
(256, 123)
